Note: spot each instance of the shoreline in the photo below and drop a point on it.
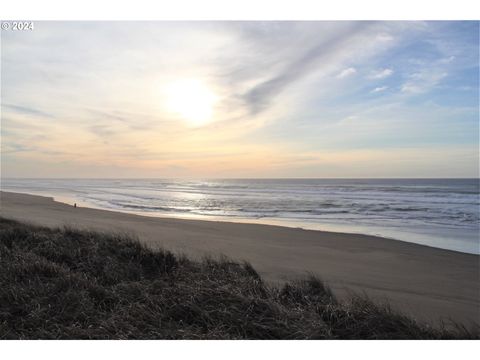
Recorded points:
(427, 282)
(362, 230)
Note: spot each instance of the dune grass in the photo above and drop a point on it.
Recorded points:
(70, 284)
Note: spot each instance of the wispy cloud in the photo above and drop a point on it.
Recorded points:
(379, 89)
(381, 73)
(423, 81)
(346, 73)
(27, 110)
(315, 57)
(447, 60)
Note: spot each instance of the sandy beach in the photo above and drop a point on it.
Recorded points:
(428, 283)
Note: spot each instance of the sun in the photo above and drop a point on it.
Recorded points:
(192, 100)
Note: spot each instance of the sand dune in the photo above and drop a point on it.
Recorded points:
(428, 283)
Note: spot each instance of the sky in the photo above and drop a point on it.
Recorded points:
(320, 99)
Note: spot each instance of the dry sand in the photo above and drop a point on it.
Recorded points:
(427, 283)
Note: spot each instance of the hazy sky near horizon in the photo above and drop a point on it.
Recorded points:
(241, 99)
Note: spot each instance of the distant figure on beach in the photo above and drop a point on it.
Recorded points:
(75, 205)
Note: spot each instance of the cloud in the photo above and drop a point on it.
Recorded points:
(346, 73)
(423, 81)
(379, 89)
(447, 60)
(27, 110)
(322, 54)
(381, 74)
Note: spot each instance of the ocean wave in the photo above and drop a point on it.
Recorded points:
(403, 201)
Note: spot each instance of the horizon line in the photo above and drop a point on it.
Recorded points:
(240, 178)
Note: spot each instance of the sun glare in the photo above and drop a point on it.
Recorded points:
(192, 100)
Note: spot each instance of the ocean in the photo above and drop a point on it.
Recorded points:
(442, 213)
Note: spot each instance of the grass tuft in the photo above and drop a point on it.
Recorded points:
(70, 284)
